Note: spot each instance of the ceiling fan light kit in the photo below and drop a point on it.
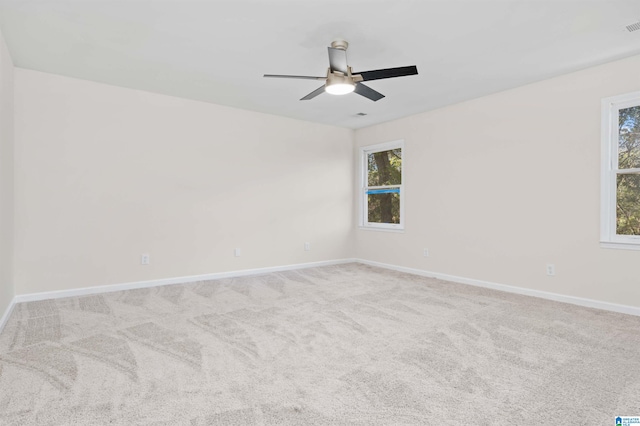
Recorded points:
(340, 79)
(339, 84)
(339, 88)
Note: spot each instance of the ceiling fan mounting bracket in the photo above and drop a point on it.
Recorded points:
(353, 78)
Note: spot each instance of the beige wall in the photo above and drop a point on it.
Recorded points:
(496, 187)
(6, 177)
(500, 186)
(104, 174)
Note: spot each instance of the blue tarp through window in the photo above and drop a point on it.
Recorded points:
(384, 191)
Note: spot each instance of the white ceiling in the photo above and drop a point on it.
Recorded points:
(217, 51)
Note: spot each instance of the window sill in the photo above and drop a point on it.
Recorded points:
(371, 228)
(619, 246)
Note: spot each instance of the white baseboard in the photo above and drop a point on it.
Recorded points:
(589, 303)
(625, 309)
(7, 314)
(58, 294)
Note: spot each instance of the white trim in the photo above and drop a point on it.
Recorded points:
(605, 170)
(616, 245)
(363, 223)
(610, 107)
(7, 314)
(589, 303)
(385, 146)
(375, 226)
(371, 228)
(31, 297)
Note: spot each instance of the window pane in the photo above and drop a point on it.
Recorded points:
(384, 168)
(629, 138)
(628, 205)
(383, 205)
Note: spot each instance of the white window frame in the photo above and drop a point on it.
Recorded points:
(364, 222)
(609, 172)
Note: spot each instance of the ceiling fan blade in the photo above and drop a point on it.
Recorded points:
(313, 94)
(338, 60)
(388, 73)
(368, 92)
(301, 77)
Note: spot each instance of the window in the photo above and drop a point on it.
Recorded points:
(620, 214)
(382, 190)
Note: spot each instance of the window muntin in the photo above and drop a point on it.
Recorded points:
(382, 189)
(621, 171)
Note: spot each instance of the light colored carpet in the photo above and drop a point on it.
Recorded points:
(339, 345)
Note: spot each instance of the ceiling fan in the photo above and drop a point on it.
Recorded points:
(340, 79)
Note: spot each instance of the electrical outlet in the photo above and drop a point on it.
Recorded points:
(145, 259)
(237, 252)
(551, 269)
(425, 252)
(307, 246)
